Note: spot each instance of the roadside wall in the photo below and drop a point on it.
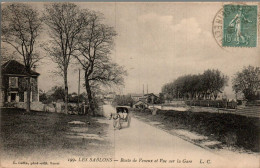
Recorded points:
(57, 107)
(39, 106)
(248, 111)
(36, 106)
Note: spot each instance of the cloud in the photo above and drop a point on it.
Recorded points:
(188, 27)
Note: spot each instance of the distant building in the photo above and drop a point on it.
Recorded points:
(136, 97)
(140, 105)
(14, 84)
(147, 98)
(151, 98)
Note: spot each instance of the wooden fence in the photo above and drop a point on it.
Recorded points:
(248, 111)
(212, 103)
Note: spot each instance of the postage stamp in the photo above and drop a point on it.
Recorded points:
(240, 26)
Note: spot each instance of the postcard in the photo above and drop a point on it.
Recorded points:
(130, 84)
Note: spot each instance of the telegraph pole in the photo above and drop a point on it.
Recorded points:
(143, 90)
(78, 90)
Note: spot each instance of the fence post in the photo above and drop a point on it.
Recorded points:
(227, 105)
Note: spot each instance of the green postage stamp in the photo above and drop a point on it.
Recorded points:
(240, 26)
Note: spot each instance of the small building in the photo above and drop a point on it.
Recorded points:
(14, 83)
(140, 105)
(147, 98)
(151, 98)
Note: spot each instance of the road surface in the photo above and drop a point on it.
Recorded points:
(152, 147)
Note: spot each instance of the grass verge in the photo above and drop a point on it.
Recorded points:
(22, 134)
(232, 130)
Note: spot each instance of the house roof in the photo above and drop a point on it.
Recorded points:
(136, 95)
(15, 68)
(140, 102)
(150, 94)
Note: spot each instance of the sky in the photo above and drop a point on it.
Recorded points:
(157, 43)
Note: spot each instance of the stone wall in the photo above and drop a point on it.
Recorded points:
(35, 106)
(56, 107)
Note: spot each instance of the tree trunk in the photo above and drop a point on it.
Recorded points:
(66, 90)
(90, 98)
(28, 103)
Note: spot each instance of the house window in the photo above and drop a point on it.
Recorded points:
(22, 84)
(13, 82)
(21, 96)
(34, 84)
(35, 96)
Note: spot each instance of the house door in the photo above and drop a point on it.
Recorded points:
(13, 97)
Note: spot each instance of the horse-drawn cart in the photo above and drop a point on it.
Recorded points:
(122, 116)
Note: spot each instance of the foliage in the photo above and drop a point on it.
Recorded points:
(55, 94)
(73, 97)
(247, 82)
(206, 85)
(43, 96)
(123, 100)
(161, 98)
(58, 93)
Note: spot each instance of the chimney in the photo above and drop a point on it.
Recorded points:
(147, 88)
(143, 89)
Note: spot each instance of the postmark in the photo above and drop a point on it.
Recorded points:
(235, 25)
(217, 27)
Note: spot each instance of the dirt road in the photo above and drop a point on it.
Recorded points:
(152, 147)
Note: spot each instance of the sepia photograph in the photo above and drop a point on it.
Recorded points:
(130, 84)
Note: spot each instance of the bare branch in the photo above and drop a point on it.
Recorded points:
(20, 27)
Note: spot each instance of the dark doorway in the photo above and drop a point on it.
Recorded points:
(13, 97)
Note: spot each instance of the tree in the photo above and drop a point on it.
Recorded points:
(42, 96)
(94, 48)
(247, 82)
(208, 84)
(73, 97)
(123, 100)
(213, 81)
(65, 22)
(161, 98)
(58, 93)
(168, 90)
(21, 26)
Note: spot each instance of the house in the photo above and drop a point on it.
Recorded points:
(14, 81)
(147, 98)
(150, 98)
(140, 104)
